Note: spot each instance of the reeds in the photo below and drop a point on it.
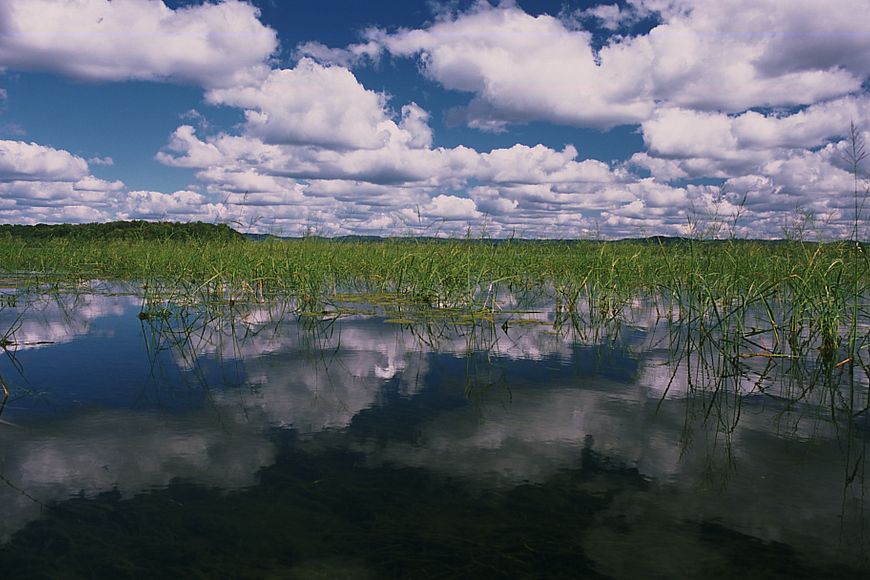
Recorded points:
(813, 296)
(814, 278)
(741, 299)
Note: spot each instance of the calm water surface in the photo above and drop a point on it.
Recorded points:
(249, 442)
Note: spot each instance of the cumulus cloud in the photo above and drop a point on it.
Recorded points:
(90, 199)
(91, 183)
(703, 55)
(40, 184)
(156, 205)
(520, 68)
(20, 161)
(537, 190)
(415, 123)
(43, 184)
(774, 163)
(211, 44)
(450, 207)
(401, 160)
(401, 182)
(186, 150)
(318, 145)
(324, 106)
(310, 104)
(743, 110)
(675, 132)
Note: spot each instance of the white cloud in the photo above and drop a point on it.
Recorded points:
(106, 161)
(91, 183)
(664, 170)
(212, 44)
(195, 153)
(812, 127)
(539, 164)
(687, 133)
(489, 200)
(20, 161)
(537, 191)
(180, 206)
(311, 104)
(352, 55)
(415, 123)
(66, 209)
(40, 184)
(682, 143)
(289, 168)
(196, 118)
(400, 160)
(450, 207)
(57, 194)
(319, 149)
(520, 68)
(705, 55)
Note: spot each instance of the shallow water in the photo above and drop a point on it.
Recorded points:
(245, 441)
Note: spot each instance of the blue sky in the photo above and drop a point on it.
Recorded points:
(529, 118)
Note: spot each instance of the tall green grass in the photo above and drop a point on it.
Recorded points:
(409, 265)
(812, 295)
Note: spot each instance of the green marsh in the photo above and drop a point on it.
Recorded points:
(559, 404)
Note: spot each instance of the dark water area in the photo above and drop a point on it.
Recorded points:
(247, 441)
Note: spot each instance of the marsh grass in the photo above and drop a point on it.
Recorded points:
(819, 288)
(731, 304)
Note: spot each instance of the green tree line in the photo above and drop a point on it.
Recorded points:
(122, 230)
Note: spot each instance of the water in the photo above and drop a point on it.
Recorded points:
(244, 441)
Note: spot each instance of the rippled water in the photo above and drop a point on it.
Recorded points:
(247, 441)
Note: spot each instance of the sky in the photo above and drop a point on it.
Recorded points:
(524, 118)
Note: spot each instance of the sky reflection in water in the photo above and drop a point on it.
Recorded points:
(103, 401)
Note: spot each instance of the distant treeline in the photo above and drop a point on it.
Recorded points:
(140, 230)
(123, 230)
(649, 240)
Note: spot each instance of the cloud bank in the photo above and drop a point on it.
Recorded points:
(743, 111)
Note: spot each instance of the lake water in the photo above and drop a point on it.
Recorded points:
(245, 441)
